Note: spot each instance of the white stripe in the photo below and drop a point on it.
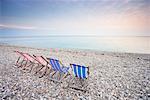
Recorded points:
(73, 70)
(77, 71)
(86, 72)
(81, 72)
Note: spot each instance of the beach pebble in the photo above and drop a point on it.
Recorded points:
(113, 76)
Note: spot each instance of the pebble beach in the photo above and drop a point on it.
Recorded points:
(113, 76)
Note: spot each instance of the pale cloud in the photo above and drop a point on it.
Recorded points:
(12, 26)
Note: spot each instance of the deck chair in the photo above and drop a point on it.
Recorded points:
(27, 60)
(59, 68)
(30, 61)
(43, 63)
(21, 59)
(81, 74)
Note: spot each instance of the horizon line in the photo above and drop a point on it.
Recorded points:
(28, 36)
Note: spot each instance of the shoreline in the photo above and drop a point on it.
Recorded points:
(112, 75)
(73, 49)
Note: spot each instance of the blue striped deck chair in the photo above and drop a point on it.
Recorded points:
(59, 68)
(81, 73)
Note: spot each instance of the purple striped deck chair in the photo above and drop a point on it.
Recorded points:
(81, 73)
(59, 68)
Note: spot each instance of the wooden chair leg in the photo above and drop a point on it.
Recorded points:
(64, 76)
(49, 71)
(17, 61)
(70, 80)
(60, 81)
(44, 72)
(30, 64)
(39, 69)
(31, 67)
(53, 73)
(34, 65)
(77, 88)
(21, 63)
(60, 75)
(25, 65)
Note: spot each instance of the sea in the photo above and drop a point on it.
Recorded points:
(126, 44)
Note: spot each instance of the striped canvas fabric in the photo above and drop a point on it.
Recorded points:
(21, 54)
(79, 71)
(29, 57)
(41, 60)
(57, 66)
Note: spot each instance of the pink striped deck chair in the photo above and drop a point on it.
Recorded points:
(21, 59)
(27, 61)
(30, 61)
(44, 64)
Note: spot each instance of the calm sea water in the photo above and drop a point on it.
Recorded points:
(115, 44)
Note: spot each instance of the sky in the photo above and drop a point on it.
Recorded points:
(75, 17)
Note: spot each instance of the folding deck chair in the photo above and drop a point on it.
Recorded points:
(81, 73)
(30, 61)
(43, 64)
(19, 62)
(27, 58)
(57, 66)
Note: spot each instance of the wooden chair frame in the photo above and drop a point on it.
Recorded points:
(80, 79)
(18, 60)
(42, 65)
